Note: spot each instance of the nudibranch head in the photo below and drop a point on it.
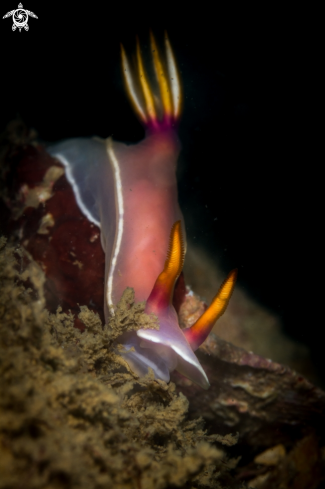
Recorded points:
(170, 347)
(155, 110)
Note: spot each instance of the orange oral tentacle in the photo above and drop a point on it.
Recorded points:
(162, 292)
(200, 330)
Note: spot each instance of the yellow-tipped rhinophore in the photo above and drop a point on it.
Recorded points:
(156, 110)
(200, 330)
(162, 292)
(175, 255)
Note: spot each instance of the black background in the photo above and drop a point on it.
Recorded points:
(250, 126)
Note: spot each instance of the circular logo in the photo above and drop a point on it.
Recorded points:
(20, 18)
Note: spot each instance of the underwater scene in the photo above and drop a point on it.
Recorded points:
(159, 265)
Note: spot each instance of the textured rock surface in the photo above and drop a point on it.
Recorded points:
(72, 414)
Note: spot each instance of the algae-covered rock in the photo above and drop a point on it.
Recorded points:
(72, 414)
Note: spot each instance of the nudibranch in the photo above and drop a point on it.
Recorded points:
(130, 192)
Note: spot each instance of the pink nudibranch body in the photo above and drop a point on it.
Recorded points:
(130, 192)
